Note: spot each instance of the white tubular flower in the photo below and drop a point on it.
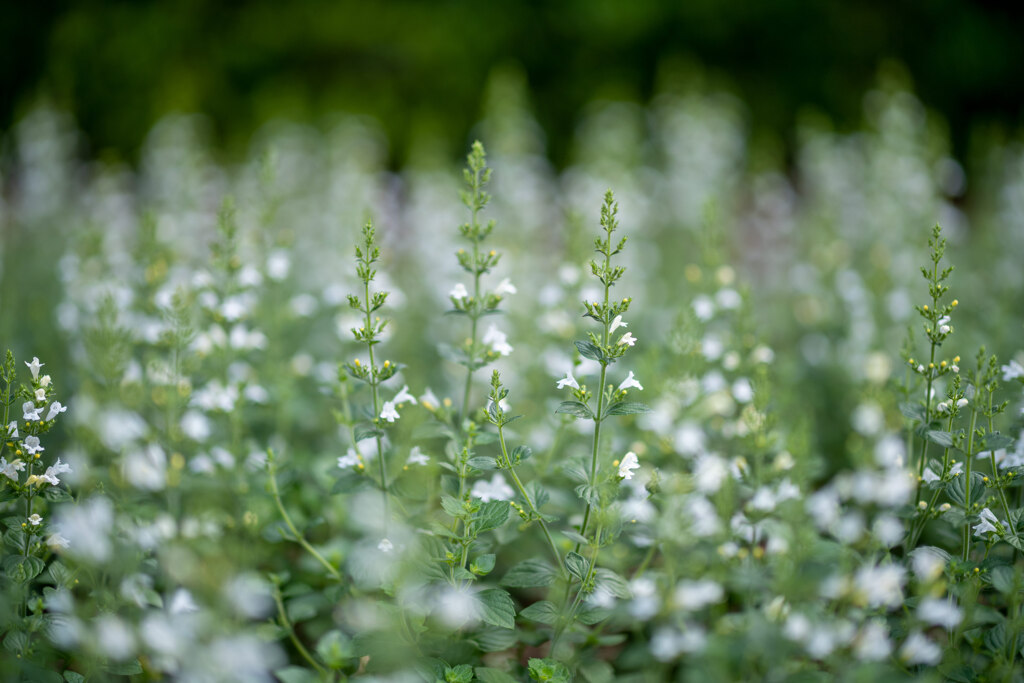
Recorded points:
(11, 469)
(53, 470)
(630, 382)
(961, 403)
(987, 523)
(497, 340)
(385, 546)
(627, 338)
(505, 287)
(12, 429)
(388, 412)
(30, 412)
(617, 322)
(568, 381)
(32, 445)
(55, 409)
(45, 380)
(56, 541)
(404, 396)
(458, 293)
(495, 489)
(429, 400)
(40, 394)
(417, 457)
(350, 459)
(942, 408)
(629, 463)
(34, 367)
(35, 520)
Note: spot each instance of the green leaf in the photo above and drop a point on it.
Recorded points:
(589, 350)
(995, 441)
(613, 583)
(627, 408)
(530, 573)
(995, 638)
(482, 462)
(463, 673)
(577, 565)
(912, 411)
(23, 569)
(588, 494)
(491, 515)
(593, 615)
(548, 670)
(944, 439)
(453, 506)
(57, 494)
(575, 537)
(125, 668)
(488, 675)
(483, 564)
(574, 408)
(296, 674)
(1002, 579)
(491, 639)
(497, 608)
(957, 489)
(365, 430)
(60, 574)
(335, 648)
(348, 481)
(73, 677)
(598, 671)
(544, 612)
(521, 454)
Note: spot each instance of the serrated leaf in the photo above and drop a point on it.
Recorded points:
(995, 441)
(598, 671)
(493, 639)
(613, 583)
(574, 408)
(912, 411)
(23, 569)
(488, 675)
(497, 608)
(491, 515)
(453, 506)
(577, 565)
(1002, 579)
(944, 439)
(482, 462)
(483, 564)
(957, 489)
(543, 612)
(589, 350)
(529, 574)
(627, 408)
(588, 494)
(73, 677)
(593, 615)
(124, 668)
(521, 454)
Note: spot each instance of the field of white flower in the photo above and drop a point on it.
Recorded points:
(675, 412)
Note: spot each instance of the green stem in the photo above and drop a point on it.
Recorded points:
(376, 412)
(967, 484)
(474, 315)
(282, 617)
(299, 538)
(571, 616)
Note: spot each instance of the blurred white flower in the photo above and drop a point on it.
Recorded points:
(350, 459)
(388, 411)
(11, 469)
(497, 340)
(630, 382)
(986, 524)
(703, 307)
(695, 595)
(385, 546)
(568, 381)
(430, 400)
(458, 292)
(403, 396)
(627, 339)
(872, 643)
(616, 323)
(495, 489)
(417, 457)
(939, 612)
(505, 287)
(917, 649)
(1012, 370)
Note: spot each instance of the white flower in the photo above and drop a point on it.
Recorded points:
(630, 382)
(430, 400)
(416, 457)
(987, 523)
(350, 459)
(505, 287)
(940, 613)
(12, 429)
(695, 595)
(34, 367)
(872, 644)
(53, 470)
(942, 408)
(458, 292)
(1012, 370)
(388, 412)
(917, 649)
(929, 476)
(703, 307)
(55, 409)
(404, 396)
(568, 381)
(495, 489)
(56, 541)
(29, 411)
(627, 338)
(961, 403)
(498, 341)
(35, 520)
(385, 546)
(617, 322)
(40, 394)
(11, 469)
(32, 445)
(628, 464)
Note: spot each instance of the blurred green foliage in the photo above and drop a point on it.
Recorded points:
(421, 67)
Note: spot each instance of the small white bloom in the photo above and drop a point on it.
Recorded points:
(12, 429)
(417, 457)
(629, 463)
(350, 459)
(55, 409)
(40, 394)
(495, 489)
(987, 523)
(53, 470)
(34, 367)
(630, 382)
(459, 292)
(929, 476)
(695, 595)
(35, 520)
(497, 340)
(385, 546)
(568, 381)
(11, 469)
(430, 400)
(404, 396)
(30, 412)
(942, 408)
(627, 338)
(56, 541)
(45, 380)
(1012, 370)
(961, 403)
(617, 322)
(703, 307)
(505, 287)
(32, 445)
(917, 649)
(939, 612)
(388, 412)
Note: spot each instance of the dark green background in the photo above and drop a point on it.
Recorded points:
(420, 67)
